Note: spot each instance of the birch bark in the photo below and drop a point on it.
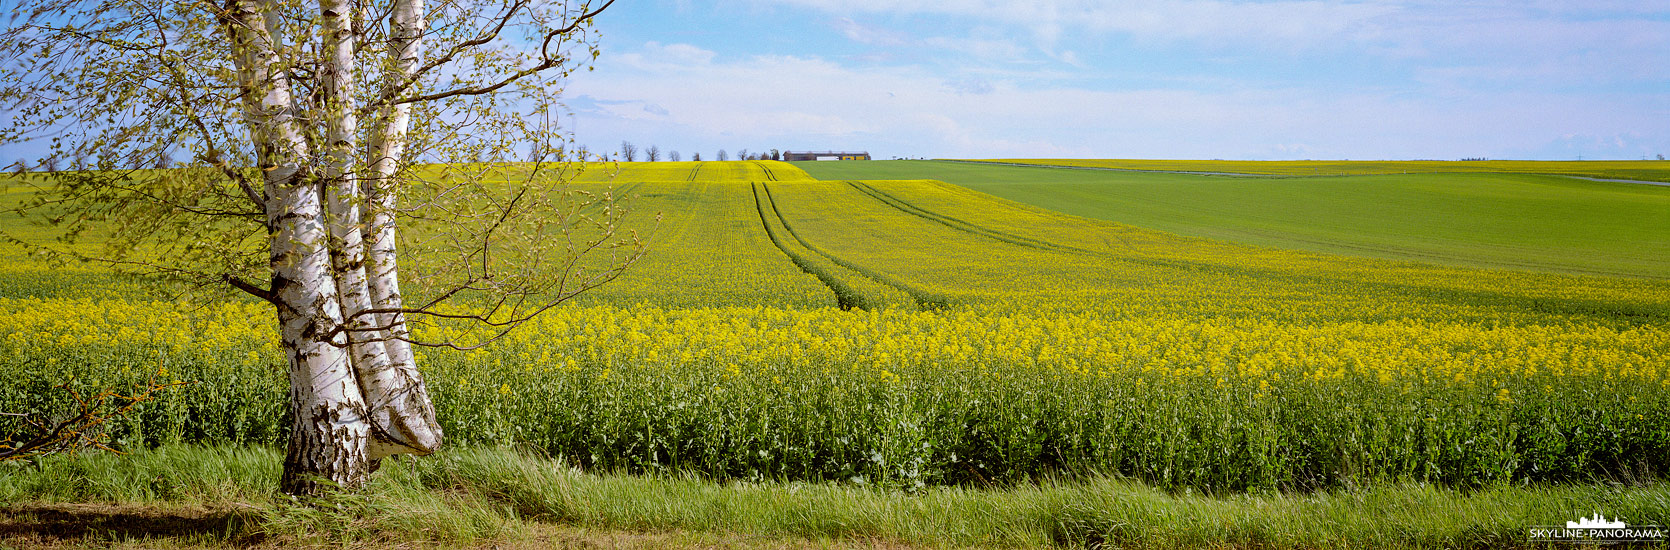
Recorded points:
(398, 425)
(329, 433)
(387, 146)
(400, 400)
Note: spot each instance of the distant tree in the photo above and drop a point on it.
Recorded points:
(628, 151)
(672, 156)
(1661, 156)
(695, 157)
(583, 153)
(742, 154)
(722, 155)
(775, 156)
(652, 154)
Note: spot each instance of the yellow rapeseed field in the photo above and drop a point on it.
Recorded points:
(912, 332)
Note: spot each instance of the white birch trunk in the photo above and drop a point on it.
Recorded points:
(400, 400)
(402, 421)
(330, 432)
(387, 145)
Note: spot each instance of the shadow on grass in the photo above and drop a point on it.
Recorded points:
(47, 524)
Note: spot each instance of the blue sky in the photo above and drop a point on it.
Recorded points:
(1160, 79)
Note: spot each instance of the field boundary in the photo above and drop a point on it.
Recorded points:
(1295, 176)
(1474, 296)
(1108, 169)
(964, 226)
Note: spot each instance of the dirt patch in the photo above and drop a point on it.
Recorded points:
(77, 525)
(131, 526)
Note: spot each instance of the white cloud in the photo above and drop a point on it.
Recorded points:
(784, 101)
(655, 54)
(985, 49)
(1165, 20)
(870, 35)
(1629, 37)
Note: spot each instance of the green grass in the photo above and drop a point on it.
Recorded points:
(1502, 220)
(466, 494)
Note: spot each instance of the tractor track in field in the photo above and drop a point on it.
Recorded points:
(1010, 238)
(842, 291)
(769, 176)
(961, 225)
(847, 296)
(924, 300)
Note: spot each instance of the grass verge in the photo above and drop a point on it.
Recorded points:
(224, 496)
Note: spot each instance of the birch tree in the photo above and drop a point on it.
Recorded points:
(319, 129)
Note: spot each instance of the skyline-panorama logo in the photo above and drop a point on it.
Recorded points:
(1597, 530)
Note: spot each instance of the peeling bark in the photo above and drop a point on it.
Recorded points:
(329, 439)
(401, 408)
(388, 392)
(329, 432)
(387, 145)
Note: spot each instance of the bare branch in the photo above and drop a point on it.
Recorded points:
(80, 430)
(258, 292)
(547, 62)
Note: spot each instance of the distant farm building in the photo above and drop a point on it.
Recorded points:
(825, 155)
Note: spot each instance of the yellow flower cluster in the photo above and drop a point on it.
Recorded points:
(120, 326)
(995, 341)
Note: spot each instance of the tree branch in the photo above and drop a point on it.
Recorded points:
(77, 431)
(546, 62)
(258, 292)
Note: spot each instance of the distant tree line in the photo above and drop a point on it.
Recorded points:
(629, 153)
(53, 163)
